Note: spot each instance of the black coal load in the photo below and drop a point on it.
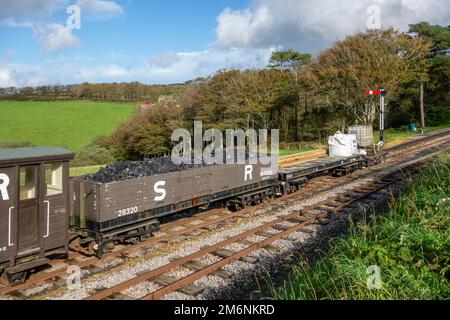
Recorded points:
(125, 170)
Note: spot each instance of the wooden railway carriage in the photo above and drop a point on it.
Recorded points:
(34, 203)
(102, 213)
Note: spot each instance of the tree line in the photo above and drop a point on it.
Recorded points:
(112, 92)
(306, 97)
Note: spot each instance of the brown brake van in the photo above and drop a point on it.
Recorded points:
(34, 209)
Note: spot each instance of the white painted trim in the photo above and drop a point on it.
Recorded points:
(48, 218)
(10, 244)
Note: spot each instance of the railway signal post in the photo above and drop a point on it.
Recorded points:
(382, 93)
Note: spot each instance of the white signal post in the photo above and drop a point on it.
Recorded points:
(382, 93)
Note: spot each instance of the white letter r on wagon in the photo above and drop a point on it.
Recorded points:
(4, 183)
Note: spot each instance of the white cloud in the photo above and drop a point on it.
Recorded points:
(188, 65)
(35, 14)
(313, 24)
(16, 10)
(54, 37)
(112, 71)
(13, 23)
(6, 78)
(100, 8)
(243, 27)
(183, 66)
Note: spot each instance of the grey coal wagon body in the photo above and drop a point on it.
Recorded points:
(106, 212)
(34, 208)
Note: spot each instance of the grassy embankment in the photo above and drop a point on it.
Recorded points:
(410, 244)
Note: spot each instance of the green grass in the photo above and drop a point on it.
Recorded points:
(410, 244)
(67, 124)
(392, 134)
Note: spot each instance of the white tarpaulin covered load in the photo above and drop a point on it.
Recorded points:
(343, 145)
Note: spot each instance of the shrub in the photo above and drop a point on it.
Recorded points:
(146, 134)
(93, 154)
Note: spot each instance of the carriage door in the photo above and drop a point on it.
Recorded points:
(7, 212)
(28, 214)
(54, 205)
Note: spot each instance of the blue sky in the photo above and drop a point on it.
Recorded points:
(177, 40)
(146, 28)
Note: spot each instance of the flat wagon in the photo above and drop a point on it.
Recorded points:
(34, 209)
(292, 177)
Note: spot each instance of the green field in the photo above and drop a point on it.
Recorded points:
(67, 124)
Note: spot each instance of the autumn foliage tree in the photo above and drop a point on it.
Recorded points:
(147, 133)
(367, 61)
(307, 99)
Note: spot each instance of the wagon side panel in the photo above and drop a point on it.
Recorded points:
(121, 198)
(160, 191)
(186, 185)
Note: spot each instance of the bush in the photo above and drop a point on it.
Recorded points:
(15, 144)
(146, 134)
(437, 115)
(93, 154)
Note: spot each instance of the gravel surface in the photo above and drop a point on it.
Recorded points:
(179, 272)
(55, 267)
(177, 296)
(36, 289)
(141, 290)
(209, 259)
(109, 263)
(211, 283)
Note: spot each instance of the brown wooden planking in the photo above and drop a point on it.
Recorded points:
(47, 232)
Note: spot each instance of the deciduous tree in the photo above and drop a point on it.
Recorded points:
(366, 61)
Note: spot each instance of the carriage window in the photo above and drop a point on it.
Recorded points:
(27, 183)
(54, 179)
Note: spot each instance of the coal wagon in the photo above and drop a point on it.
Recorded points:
(103, 213)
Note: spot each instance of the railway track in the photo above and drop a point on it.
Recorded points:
(301, 219)
(206, 220)
(169, 231)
